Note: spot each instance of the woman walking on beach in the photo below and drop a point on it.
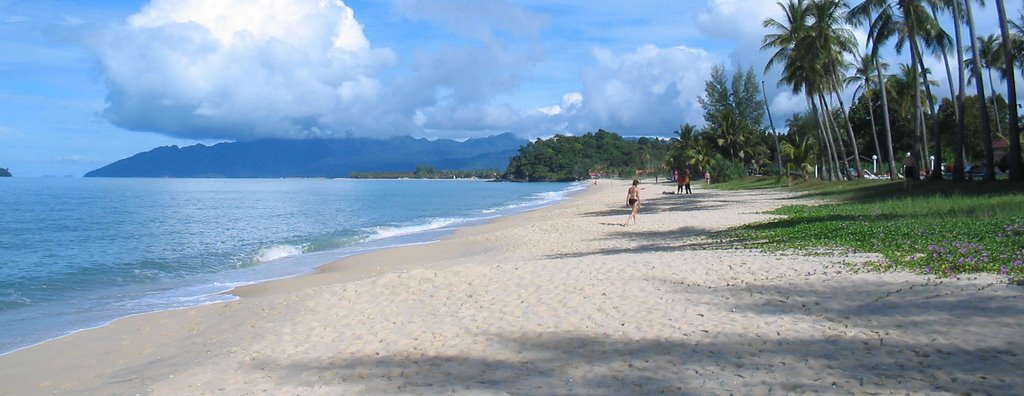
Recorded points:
(686, 181)
(633, 201)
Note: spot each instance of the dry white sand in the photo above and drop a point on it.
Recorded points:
(565, 300)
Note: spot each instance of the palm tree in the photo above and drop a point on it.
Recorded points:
(939, 42)
(810, 45)
(1016, 171)
(1018, 39)
(801, 155)
(989, 58)
(731, 133)
(865, 13)
(979, 84)
(907, 21)
(861, 78)
(793, 51)
(958, 20)
(835, 42)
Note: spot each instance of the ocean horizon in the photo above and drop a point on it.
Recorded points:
(82, 252)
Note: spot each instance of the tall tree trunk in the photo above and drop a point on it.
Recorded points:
(936, 164)
(775, 135)
(849, 129)
(826, 137)
(834, 140)
(885, 117)
(823, 148)
(871, 117)
(995, 105)
(1016, 169)
(986, 123)
(958, 153)
(915, 77)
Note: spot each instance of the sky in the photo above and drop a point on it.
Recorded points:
(86, 83)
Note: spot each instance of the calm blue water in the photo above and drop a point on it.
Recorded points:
(78, 253)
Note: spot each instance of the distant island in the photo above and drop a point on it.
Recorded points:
(428, 172)
(5, 173)
(270, 158)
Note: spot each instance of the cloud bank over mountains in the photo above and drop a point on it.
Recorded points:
(248, 69)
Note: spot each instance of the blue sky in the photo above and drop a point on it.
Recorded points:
(89, 82)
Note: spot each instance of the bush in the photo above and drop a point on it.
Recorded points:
(725, 170)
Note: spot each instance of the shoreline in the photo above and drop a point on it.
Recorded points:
(268, 263)
(564, 300)
(354, 267)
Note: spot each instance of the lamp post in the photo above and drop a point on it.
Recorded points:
(874, 164)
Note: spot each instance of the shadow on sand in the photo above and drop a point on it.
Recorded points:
(558, 363)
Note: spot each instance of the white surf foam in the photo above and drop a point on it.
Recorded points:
(276, 252)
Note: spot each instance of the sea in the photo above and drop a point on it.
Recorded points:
(78, 253)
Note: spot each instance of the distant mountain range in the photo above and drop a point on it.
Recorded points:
(316, 157)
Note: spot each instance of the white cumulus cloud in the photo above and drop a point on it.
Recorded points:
(239, 69)
(650, 91)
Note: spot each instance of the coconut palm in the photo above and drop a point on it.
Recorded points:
(956, 8)
(1016, 171)
(989, 58)
(836, 42)
(940, 43)
(800, 155)
(1018, 39)
(979, 85)
(867, 12)
(810, 45)
(906, 21)
(861, 80)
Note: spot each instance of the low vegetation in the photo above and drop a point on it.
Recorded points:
(603, 153)
(946, 229)
(428, 172)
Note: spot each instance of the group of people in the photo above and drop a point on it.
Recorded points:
(683, 182)
(633, 194)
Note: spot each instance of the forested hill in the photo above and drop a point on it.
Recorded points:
(315, 158)
(562, 158)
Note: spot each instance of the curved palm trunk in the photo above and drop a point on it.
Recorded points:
(886, 123)
(775, 135)
(958, 154)
(1016, 169)
(936, 164)
(822, 146)
(874, 131)
(915, 77)
(871, 117)
(838, 150)
(995, 105)
(986, 123)
(826, 137)
(849, 129)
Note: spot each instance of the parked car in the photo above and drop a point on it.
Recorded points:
(974, 172)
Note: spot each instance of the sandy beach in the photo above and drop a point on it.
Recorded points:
(565, 300)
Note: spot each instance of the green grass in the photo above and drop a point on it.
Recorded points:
(941, 228)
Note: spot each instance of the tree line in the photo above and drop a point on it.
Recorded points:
(899, 112)
(428, 172)
(894, 110)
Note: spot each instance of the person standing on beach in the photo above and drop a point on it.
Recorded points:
(909, 172)
(686, 181)
(680, 181)
(633, 201)
(707, 177)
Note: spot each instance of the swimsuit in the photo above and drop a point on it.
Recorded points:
(632, 201)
